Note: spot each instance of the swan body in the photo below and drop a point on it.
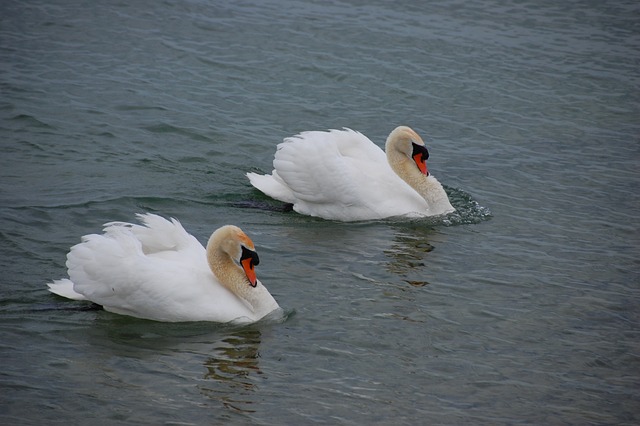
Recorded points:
(342, 175)
(160, 272)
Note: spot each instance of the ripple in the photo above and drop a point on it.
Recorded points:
(468, 211)
(31, 122)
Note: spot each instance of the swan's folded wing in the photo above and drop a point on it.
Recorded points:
(320, 167)
(101, 265)
(113, 271)
(355, 145)
(157, 234)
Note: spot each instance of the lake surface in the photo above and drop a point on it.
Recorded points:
(522, 307)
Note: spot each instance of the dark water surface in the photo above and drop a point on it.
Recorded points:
(523, 307)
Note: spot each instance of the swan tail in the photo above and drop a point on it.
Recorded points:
(64, 288)
(272, 186)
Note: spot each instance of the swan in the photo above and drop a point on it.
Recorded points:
(342, 175)
(158, 271)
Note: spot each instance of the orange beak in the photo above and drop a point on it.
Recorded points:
(247, 265)
(422, 164)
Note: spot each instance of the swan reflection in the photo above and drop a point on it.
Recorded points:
(407, 255)
(230, 373)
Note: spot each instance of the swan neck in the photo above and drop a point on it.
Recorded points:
(231, 275)
(427, 187)
(406, 169)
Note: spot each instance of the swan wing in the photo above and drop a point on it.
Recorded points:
(315, 170)
(157, 234)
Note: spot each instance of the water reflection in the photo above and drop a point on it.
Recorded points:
(400, 247)
(406, 255)
(214, 364)
(408, 252)
(232, 370)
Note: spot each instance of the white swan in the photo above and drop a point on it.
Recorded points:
(342, 175)
(160, 272)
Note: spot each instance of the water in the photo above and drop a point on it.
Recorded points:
(521, 308)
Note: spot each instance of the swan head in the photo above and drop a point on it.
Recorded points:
(405, 141)
(232, 241)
